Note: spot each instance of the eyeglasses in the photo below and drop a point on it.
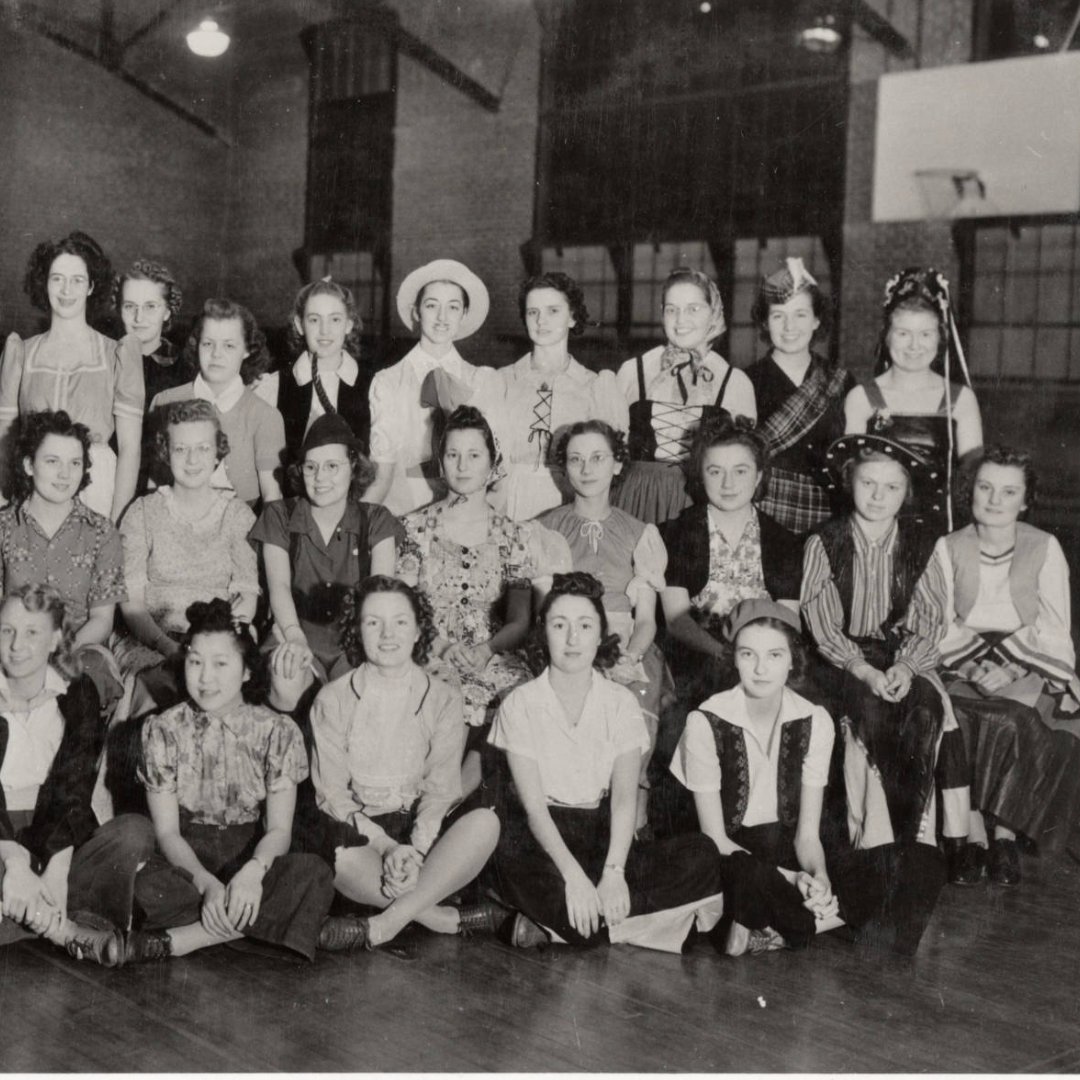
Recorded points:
(331, 468)
(201, 450)
(150, 308)
(695, 311)
(576, 461)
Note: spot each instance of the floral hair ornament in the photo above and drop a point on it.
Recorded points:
(931, 287)
(781, 285)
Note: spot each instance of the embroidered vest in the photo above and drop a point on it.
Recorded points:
(1028, 557)
(735, 769)
(914, 546)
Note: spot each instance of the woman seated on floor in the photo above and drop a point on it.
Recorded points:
(50, 737)
(1010, 668)
(214, 862)
(756, 758)
(183, 542)
(567, 860)
(388, 741)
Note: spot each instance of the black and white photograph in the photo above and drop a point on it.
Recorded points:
(539, 536)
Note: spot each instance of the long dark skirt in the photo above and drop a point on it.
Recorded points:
(1024, 773)
(119, 879)
(900, 738)
(659, 876)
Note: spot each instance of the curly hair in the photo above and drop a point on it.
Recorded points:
(615, 439)
(325, 287)
(98, 269)
(763, 303)
(363, 474)
(867, 456)
(216, 617)
(45, 598)
(185, 412)
(147, 270)
(725, 431)
(353, 609)
(34, 428)
(258, 357)
(563, 283)
(576, 583)
(1000, 454)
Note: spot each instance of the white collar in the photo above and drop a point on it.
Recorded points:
(730, 705)
(348, 370)
(421, 361)
(224, 401)
(55, 685)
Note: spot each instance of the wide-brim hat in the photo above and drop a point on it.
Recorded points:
(927, 476)
(445, 270)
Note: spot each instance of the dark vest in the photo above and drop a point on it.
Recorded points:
(687, 541)
(735, 769)
(62, 814)
(294, 404)
(914, 546)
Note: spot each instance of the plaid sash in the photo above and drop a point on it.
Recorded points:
(802, 410)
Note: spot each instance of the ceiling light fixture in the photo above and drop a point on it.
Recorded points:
(821, 36)
(208, 40)
(1041, 41)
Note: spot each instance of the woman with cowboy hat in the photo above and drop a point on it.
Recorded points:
(874, 600)
(446, 302)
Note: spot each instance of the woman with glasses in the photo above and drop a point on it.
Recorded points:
(671, 390)
(318, 546)
(183, 542)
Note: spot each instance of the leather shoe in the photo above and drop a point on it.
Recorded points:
(1004, 863)
(525, 934)
(343, 933)
(146, 946)
(104, 947)
(486, 917)
(965, 861)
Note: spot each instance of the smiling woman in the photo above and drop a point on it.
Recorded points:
(911, 398)
(73, 367)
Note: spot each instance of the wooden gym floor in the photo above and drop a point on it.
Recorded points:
(994, 987)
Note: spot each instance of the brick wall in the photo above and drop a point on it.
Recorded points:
(267, 179)
(464, 177)
(940, 33)
(82, 150)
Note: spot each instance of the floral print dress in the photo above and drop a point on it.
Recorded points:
(467, 588)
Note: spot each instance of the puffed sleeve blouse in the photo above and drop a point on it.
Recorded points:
(96, 392)
(222, 767)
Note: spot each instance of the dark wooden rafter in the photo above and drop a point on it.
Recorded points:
(447, 70)
(108, 55)
(165, 12)
(880, 29)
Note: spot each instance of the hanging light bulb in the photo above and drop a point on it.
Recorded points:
(208, 40)
(821, 36)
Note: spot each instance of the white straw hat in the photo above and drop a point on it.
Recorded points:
(445, 270)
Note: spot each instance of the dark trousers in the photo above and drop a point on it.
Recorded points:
(895, 886)
(659, 876)
(120, 877)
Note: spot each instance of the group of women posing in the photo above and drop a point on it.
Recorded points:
(394, 736)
